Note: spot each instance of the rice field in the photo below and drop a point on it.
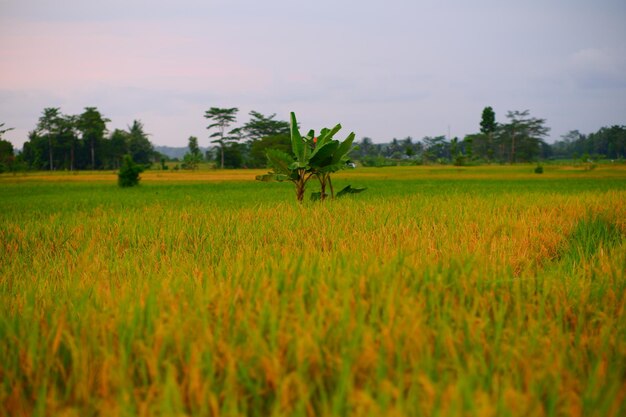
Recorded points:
(439, 291)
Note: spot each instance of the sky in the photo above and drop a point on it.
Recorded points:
(382, 69)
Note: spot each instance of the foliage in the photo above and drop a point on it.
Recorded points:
(194, 149)
(436, 148)
(314, 156)
(92, 127)
(607, 142)
(72, 142)
(115, 148)
(520, 139)
(468, 145)
(488, 121)
(233, 155)
(128, 176)
(77, 142)
(460, 160)
(488, 127)
(258, 148)
(49, 128)
(539, 169)
(191, 161)
(7, 155)
(139, 147)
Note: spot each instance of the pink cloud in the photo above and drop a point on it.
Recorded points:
(62, 56)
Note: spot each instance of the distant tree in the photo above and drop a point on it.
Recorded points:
(6, 150)
(117, 147)
(608, 141)
(546, 150)
(408, 147)
(222, 119)
(456, 154)
(233, 155)
(488, 121)
(488, 128)
(522, 136)
(139, 147)
(67, 139)
(34, 150)
(194, 156)
(209, 154)
(364, 149)
(258, 149)
(394, 150)
(572, 136)
(563, 148)
(48, 126)
(454, 147)
(194, 149)
(261, 126)
(436, 148)
(468, 145)
(236, 134)
(92, 126)
(6, 155)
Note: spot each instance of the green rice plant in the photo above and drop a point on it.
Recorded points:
(591, 234)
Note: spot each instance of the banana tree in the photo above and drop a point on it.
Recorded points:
(317, 156)
(330, 156)
(287, 168)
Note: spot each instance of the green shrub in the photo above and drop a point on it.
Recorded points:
(538, 169)
(129, 173)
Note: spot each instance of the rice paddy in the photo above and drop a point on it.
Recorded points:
(487, 291)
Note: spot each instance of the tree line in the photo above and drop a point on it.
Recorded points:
(520, 138)
(79, 142)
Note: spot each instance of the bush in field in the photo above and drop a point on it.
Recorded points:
(128, 176)
(538, 169)
(191, 161)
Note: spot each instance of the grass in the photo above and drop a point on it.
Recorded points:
(438, 291)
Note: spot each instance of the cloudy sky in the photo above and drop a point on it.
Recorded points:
(384, 69)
